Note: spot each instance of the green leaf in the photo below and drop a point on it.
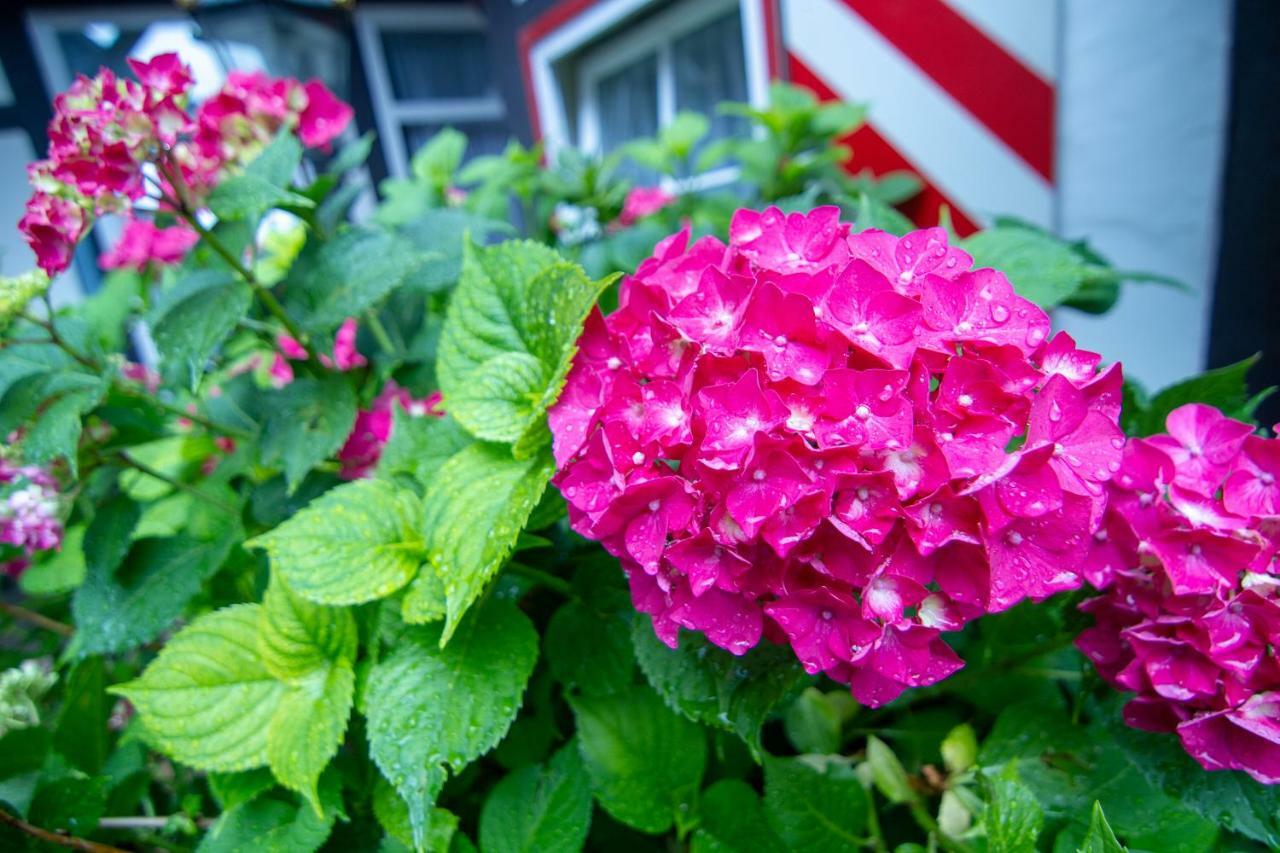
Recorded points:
(1224, 387)
(430, 707)
(873, 213)
(307, 422)
(539, 808)
(645, 762)
(207, 699)
(1013, 817)
(312, 648)
(837, 119)
(353, 155)
(356, 543)
(263, 184)
(419, 446)
(231, 789)
(888, 773)
(590, 651)
(80, 731)
(475, 508)
(732, 820)
(191, 318)
(55, 433)
(308, 726)
(812, 723)
(1040, 267)
(1100, 838)
(684, 132)
(297, 637)
(711, 686)
(509, 339)
(351, 272)
(959, 748)
(117, 612)
(436, 161)
(815, 803)
(273, 822)
(71, 805)
(59, 572)
(393, 814)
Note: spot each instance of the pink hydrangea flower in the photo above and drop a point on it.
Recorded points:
(108, 132)
(345, 355)
(372, 430)
(1190, 612)
(143, 244)
(641, 202)
(804, 435)
(30, 515)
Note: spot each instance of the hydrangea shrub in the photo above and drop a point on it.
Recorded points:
(301, 519)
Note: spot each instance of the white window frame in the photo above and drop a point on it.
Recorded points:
(392, 114)
(547, 58)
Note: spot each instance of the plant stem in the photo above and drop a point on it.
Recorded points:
(263, 292)
(873, 827)
(57, 339)
(145, 822)
(56, 838)
(546, 579)
(37, 619)
(177, 484)
(380, 332)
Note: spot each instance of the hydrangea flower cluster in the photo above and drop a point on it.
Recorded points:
(142, 243)
(1187, 557)
(30, 518)
(109, 135)
(849, 442)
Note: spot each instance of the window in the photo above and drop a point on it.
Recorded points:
(428, 68)
(689, 57)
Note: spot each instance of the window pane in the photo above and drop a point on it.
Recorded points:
(629, 103)
(437, 64)
(483, 137)
(709, 69)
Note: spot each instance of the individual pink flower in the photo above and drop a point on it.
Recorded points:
(809, 435)
(52, 227)
(641, 202)
(345, 355)
(361, 451)
(1190, 613)
(142, 244)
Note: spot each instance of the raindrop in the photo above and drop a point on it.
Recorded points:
(999, 313)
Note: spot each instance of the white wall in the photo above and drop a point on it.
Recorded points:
(1141, 122)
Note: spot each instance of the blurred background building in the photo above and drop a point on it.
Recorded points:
(1147, 126)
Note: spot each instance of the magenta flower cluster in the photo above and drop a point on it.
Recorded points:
(848, 442)
(1189, 619)
(113, 141)
(30, 518)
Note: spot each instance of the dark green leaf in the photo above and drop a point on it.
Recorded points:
(71, 805)
(590, 651)
(192, 318)
(1013, 817)
(307, 422)
(645, 762)
(80, 731)
(539, 808)
(711, 686)
(815, 803)
(1100, 838)
(812, 723)
(419, 446)
(733, 821)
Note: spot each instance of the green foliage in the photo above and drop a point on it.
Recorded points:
(432, 706)
(357, 543)
(815, 803)
(539, 808)
(644, 761)
(711, 686)
(509, 340)
(312, 662)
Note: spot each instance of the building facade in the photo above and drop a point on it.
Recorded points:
(1118, 122)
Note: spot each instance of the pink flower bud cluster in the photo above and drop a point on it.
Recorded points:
(29, 515)
(641, 202)
(108, 134)
(848, 442)
(1189, 618)
(372, 429)
(345, 355)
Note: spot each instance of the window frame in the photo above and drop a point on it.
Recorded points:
(552, 58)
(656, 36)
(393, 114)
